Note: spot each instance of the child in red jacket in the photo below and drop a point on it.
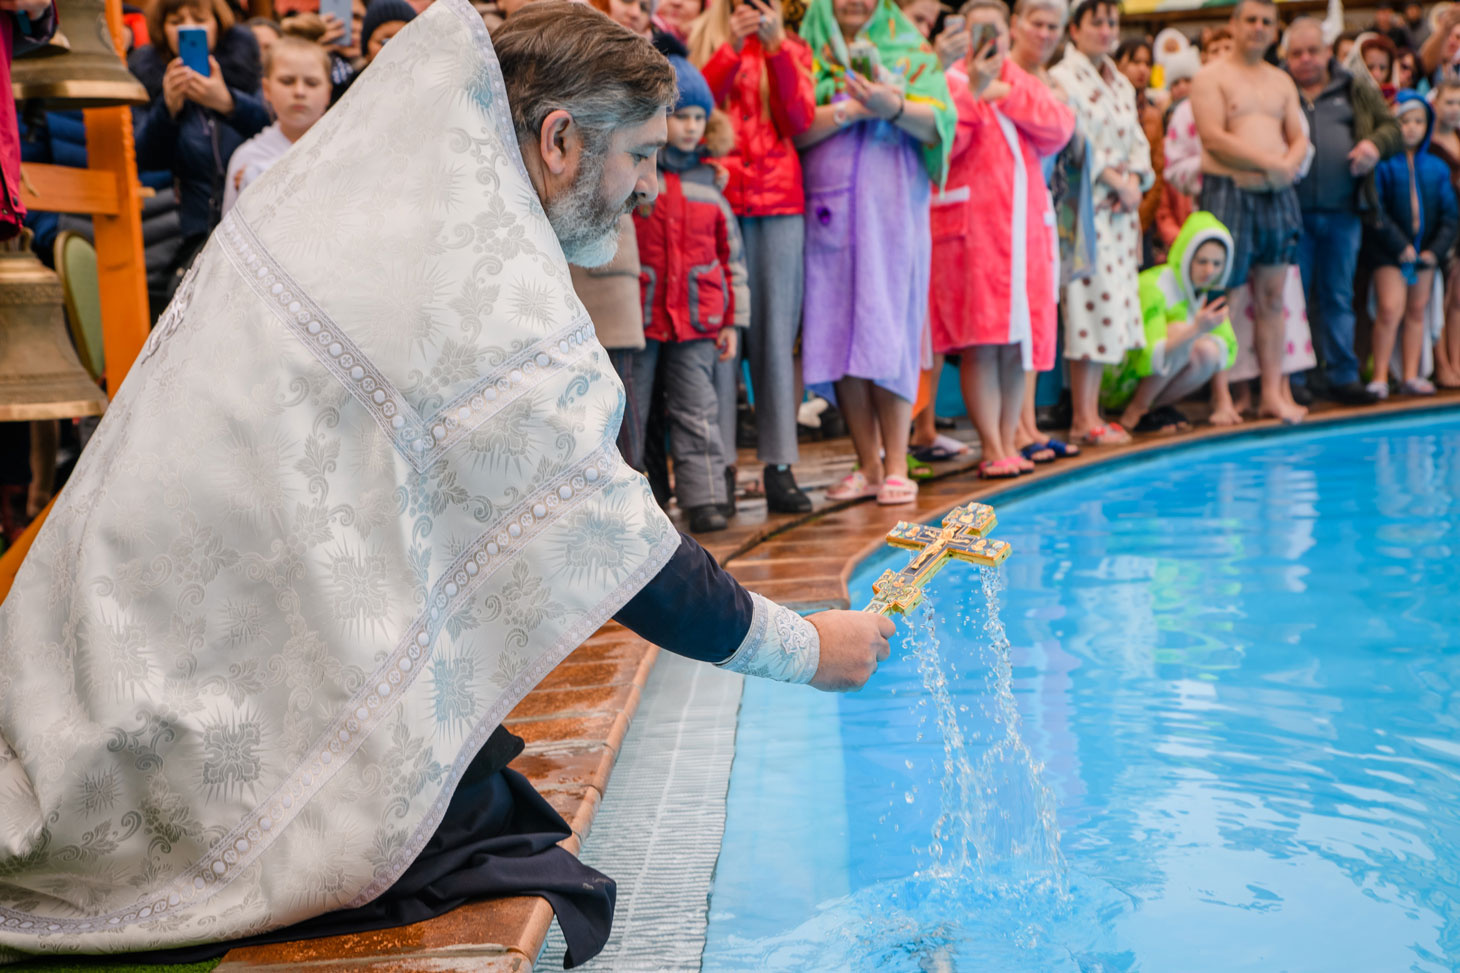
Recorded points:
(692, 281)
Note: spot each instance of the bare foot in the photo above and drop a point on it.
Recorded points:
(1132, 417)
(1289, 413)
(1242, 397)
(1225, 415)
(1447, 379)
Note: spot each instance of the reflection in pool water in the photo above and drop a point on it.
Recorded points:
(1238, 666)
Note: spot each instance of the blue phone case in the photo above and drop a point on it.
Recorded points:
(192, 47)
(343, 9)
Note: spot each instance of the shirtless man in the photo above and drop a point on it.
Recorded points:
(1253, 144)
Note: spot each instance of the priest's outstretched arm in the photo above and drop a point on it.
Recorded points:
(694, 608)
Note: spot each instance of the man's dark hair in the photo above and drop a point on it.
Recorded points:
(561, 55)
(1085, 8)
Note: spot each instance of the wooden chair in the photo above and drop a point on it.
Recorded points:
(76, 266)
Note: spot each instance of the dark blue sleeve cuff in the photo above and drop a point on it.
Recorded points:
(692, 607)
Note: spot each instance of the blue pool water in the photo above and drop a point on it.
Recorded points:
(1236, 668)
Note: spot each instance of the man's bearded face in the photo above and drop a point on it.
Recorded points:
(585, 221)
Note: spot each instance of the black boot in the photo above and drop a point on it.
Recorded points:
(706, 519)
(782, 495)
(727, 509)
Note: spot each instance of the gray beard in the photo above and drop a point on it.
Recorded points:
(585, 223)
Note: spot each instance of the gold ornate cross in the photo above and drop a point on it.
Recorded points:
(961, 537)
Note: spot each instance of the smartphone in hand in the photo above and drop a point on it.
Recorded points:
(979, 35)
(953, 23)
(345, 11)
(192, 47)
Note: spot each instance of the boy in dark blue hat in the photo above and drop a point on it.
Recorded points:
(692, 281)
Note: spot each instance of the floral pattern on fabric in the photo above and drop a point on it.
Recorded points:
(780, 645)
(357, 497)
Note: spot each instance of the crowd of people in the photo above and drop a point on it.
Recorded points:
(856, 192)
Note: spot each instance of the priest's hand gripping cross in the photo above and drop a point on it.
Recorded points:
(961, 537)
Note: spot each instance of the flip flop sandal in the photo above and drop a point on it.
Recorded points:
(1110, 434)
(931, 454)
(1157, 422)
(1036, 452)
(1171, 414)
(853, 486)
(897, 491)
(1062, 450)
(920, 471)
(999, 469)
(954, 446)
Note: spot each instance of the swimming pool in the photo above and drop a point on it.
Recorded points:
(1237, 665)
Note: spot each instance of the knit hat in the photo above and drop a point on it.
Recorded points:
(1182, 66)
(381, 12)
(694, 90)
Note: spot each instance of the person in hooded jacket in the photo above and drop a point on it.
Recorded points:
(194, 123)
(1417, 229)
(760, 75)
(1189, 337)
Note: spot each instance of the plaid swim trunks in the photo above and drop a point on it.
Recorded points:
(1265, 227)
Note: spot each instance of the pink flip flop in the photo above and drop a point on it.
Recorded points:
(897, 491)
(853, 486)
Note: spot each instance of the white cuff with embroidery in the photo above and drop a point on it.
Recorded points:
(780, 645)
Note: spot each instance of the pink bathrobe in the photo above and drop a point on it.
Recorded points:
(993, 280)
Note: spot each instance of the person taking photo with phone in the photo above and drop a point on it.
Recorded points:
(760, 75)
(202, 71)
(875, 143)
(993, 299)
(1189, 336)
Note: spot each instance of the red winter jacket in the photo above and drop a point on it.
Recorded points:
(14, 35)
(765, 169)
(692, 270)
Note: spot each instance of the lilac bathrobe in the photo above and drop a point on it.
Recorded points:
(868, 254)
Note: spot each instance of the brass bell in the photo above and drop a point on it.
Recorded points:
(89, 74)
(40, 375)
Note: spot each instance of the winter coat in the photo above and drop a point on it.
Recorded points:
(18, 34)
(1371, 121)
(991, 285)
(197, 144)
(611, 293)
(764, 166)
(1168, 296)
(692, 264)
(1439, 221)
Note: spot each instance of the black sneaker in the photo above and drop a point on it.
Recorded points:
(706, 519)
(727, 509)
(1351, 393)
(1302, 394)
(782, 495)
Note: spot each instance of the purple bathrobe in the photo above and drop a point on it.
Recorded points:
(868, 253)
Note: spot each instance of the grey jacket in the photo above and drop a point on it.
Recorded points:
(1345, 113)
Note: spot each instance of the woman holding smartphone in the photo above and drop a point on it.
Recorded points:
(204, 106)
(760, 75)
(868, 157)
(1102, 312)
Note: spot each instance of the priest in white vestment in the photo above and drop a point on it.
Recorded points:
(357, 496)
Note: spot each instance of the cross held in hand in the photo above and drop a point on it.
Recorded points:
(961, 537)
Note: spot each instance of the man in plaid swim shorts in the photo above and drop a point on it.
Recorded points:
(1254, 143)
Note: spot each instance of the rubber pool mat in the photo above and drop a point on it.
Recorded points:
(658, 830)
